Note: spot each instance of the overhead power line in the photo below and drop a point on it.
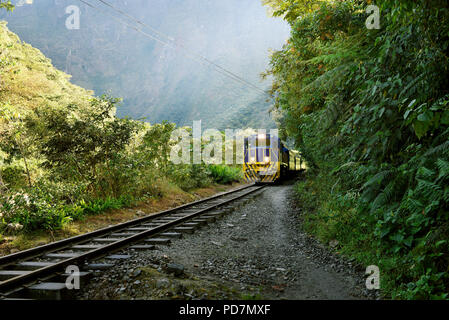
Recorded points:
(179, 45)
(191, 54)
(139, 30)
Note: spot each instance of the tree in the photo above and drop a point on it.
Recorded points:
(9, 7)
(6, 4)
(15, 139)
(369, 110)
(156, 145)
(290, 10)
(76, 141)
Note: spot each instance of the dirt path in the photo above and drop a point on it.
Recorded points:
(258, 251)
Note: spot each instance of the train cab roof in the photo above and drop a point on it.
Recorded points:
(269, 137)
(261, 136)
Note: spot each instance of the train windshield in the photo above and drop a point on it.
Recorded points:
(259, 149)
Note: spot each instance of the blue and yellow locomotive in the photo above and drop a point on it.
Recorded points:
(267, 159)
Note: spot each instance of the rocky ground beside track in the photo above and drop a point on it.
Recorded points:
(258, 251)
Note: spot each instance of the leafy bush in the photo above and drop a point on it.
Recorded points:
(65, 154)
(188, 177)
(369, 110)
(90, 161)
(100, 205)
(33, 210)
(13, 176)
(225, 174)
(46, 208)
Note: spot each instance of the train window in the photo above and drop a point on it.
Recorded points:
(253, 153)
(252, 142)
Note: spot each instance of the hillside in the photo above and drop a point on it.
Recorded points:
(64, 154)
(29, 80)
(155, 81)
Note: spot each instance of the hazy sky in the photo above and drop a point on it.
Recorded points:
(153, 78)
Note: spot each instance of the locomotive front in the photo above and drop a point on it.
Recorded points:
(262, 158)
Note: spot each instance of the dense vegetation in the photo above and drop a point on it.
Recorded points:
(65, 154)
(369, 111)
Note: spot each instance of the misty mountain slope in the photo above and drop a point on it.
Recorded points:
(156, 81)
(28, 80)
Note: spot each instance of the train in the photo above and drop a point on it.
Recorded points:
(268, 160)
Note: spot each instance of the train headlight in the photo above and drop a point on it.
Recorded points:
(252, 159)
(267, 159)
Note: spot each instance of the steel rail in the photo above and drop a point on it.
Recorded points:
(97, 253)
(81, 238)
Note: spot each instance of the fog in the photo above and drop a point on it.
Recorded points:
(157, 81)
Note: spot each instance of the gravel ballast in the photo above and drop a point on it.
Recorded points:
(257, 251)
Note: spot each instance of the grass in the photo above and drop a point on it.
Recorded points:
(249, 296)
(330, 216)
(225, 174)
(171, 196)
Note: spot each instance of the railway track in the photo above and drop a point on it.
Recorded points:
(43, 268)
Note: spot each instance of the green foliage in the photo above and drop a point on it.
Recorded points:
(369, 112)
(190, 176)
(29, 80)
(225, 174)
(76, 142)
(52, 205)
(13, 176)
(290, 10)
(35, 209)
(156, 145)
(100, 205)
(65, 154)
(6, 4)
